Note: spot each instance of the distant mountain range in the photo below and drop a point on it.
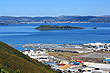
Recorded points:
(60, 19)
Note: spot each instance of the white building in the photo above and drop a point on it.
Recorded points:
(39, 55)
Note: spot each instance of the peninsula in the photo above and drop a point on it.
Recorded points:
(53, 27)
(3, 24)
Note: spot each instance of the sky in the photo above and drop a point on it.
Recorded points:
(54, 7)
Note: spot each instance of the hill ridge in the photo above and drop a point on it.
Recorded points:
(13, 61)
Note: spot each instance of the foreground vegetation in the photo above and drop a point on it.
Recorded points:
(13, 61)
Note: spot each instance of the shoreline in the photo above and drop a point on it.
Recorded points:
(56, 23)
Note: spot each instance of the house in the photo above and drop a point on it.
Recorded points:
(64, 62)
(107, 60)
(43, 58)
(87, 70)
(51, 63)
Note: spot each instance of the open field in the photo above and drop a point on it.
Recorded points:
(95, 55)
(90, 57)
(64, 55)
(72, 49)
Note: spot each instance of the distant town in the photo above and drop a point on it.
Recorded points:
(60, 19)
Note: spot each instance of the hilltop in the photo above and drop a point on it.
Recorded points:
(52, 27)
(13, 61)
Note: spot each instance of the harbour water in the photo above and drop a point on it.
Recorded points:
(26, 34)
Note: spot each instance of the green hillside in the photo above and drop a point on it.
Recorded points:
(13, 61)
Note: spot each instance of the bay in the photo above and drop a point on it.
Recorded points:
(27, 34)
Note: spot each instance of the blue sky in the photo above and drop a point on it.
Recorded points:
(54, 7)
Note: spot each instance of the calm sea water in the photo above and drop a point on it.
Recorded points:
(26, 34)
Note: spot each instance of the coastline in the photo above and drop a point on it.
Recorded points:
(59, 23)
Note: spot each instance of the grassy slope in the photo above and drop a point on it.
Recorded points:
(13, 61)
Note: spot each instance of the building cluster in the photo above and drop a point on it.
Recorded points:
(83, 67)
(68, 66)
(39, 55)
(42, 46)
(58, 48)
(89, 46)
(51, 22)
(97, 46)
